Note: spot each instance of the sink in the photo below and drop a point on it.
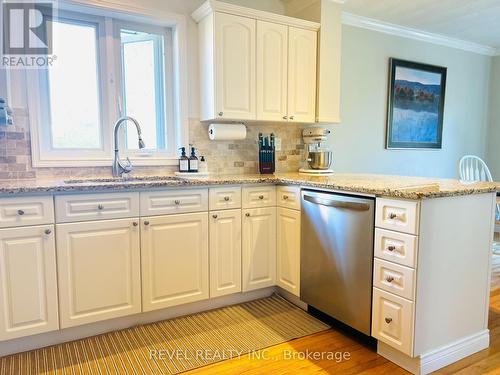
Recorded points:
(120, 179)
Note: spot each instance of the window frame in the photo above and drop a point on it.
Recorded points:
(110, 13)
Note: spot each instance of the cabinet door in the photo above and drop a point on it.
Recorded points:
(301, 75)
(174, 260)
(234, 67)
(98, 265)
(28, 285)
(272, 70)
(225, 252)
(288, 250)
(259, 248)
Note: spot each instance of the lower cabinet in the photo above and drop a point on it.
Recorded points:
(174, 260)
(99, 270)
(28, 284)
(225, 252)
(288, 250)
(258, 248)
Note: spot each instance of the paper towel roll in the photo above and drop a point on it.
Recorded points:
(227, 132)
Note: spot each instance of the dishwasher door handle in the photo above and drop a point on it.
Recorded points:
(338, 204)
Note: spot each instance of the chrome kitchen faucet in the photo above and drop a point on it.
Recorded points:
(119, 167)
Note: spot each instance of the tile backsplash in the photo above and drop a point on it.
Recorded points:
(223, 157)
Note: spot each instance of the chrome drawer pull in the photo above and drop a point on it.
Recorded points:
(285, 197)
(247, 214)
(392, 215)
(389, 279)
(261, 197)
(146, 222)
(226, 199)
(214, 216)
(20, 212)
(177, 202)
(100, 206)
(135, 223)
(388, 320)
(391, 248)
(47, 231)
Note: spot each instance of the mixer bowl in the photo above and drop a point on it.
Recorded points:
(320, 159)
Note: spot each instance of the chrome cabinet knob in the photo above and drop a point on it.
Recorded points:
(47, 231)
(226, 199)
(261, 197)
(391, 248)
(285, 197)
(292, 117)
(221, 113)
(146, 222)
(135, 223)
(392, 215)
(177, 202)
(389, 279)
(214, 216)
(247, 214)
(100, 206)
(388, 320)
(285, 117)
(20, 212)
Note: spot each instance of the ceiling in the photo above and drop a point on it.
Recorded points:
(476, 21)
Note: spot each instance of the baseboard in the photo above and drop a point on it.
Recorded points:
(292, 298)
(438, 358)
(69, 334)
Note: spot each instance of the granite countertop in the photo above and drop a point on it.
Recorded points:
(373, 184)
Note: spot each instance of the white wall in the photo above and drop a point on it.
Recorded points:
(493, 155)
(359, 141)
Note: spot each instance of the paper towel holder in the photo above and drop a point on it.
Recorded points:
(210, 131)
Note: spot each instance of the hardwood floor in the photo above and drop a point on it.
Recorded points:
(283, 358)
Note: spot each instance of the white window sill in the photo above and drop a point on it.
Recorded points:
(136, 161)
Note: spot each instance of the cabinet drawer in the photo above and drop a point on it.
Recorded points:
(222, 198)
(396, 247)
(392, 321)
(26, 211)
(258, 196)
(397, 215)
(394, 278)
(174, 202)
(84, 207)
(288, 197)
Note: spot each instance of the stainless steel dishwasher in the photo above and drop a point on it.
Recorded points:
(337, 256)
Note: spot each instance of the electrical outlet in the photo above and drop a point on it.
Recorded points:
(277, 144)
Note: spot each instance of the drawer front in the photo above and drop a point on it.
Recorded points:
(288, 197)
(83, 207)
(258, 196)
(392, 321)
(394, 278)
(174, 202)
(396, 247)
(223, 198)
(398, 215)
(21, 211)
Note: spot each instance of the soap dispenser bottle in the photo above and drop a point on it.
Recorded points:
(183, 161)
(193, 161)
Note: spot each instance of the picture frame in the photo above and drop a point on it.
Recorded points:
(415, 107)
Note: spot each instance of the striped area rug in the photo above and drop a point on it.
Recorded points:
(172, 346)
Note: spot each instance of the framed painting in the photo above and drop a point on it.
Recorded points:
(416, 105)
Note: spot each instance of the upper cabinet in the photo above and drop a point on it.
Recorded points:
(256, 65)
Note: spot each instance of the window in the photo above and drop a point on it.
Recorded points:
(105, 68)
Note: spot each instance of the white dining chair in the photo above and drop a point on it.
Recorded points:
(471, 169)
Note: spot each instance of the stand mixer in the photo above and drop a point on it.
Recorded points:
(318, 160)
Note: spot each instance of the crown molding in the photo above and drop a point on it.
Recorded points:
(424, 36)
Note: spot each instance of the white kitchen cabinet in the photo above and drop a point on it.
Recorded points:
(98, 264)
(301, 75)
(174, 260)
(258, 248)
(272, 71)
(288, 250)
(234, 79)
(255, 65)
(28, 285)
(225, 252)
